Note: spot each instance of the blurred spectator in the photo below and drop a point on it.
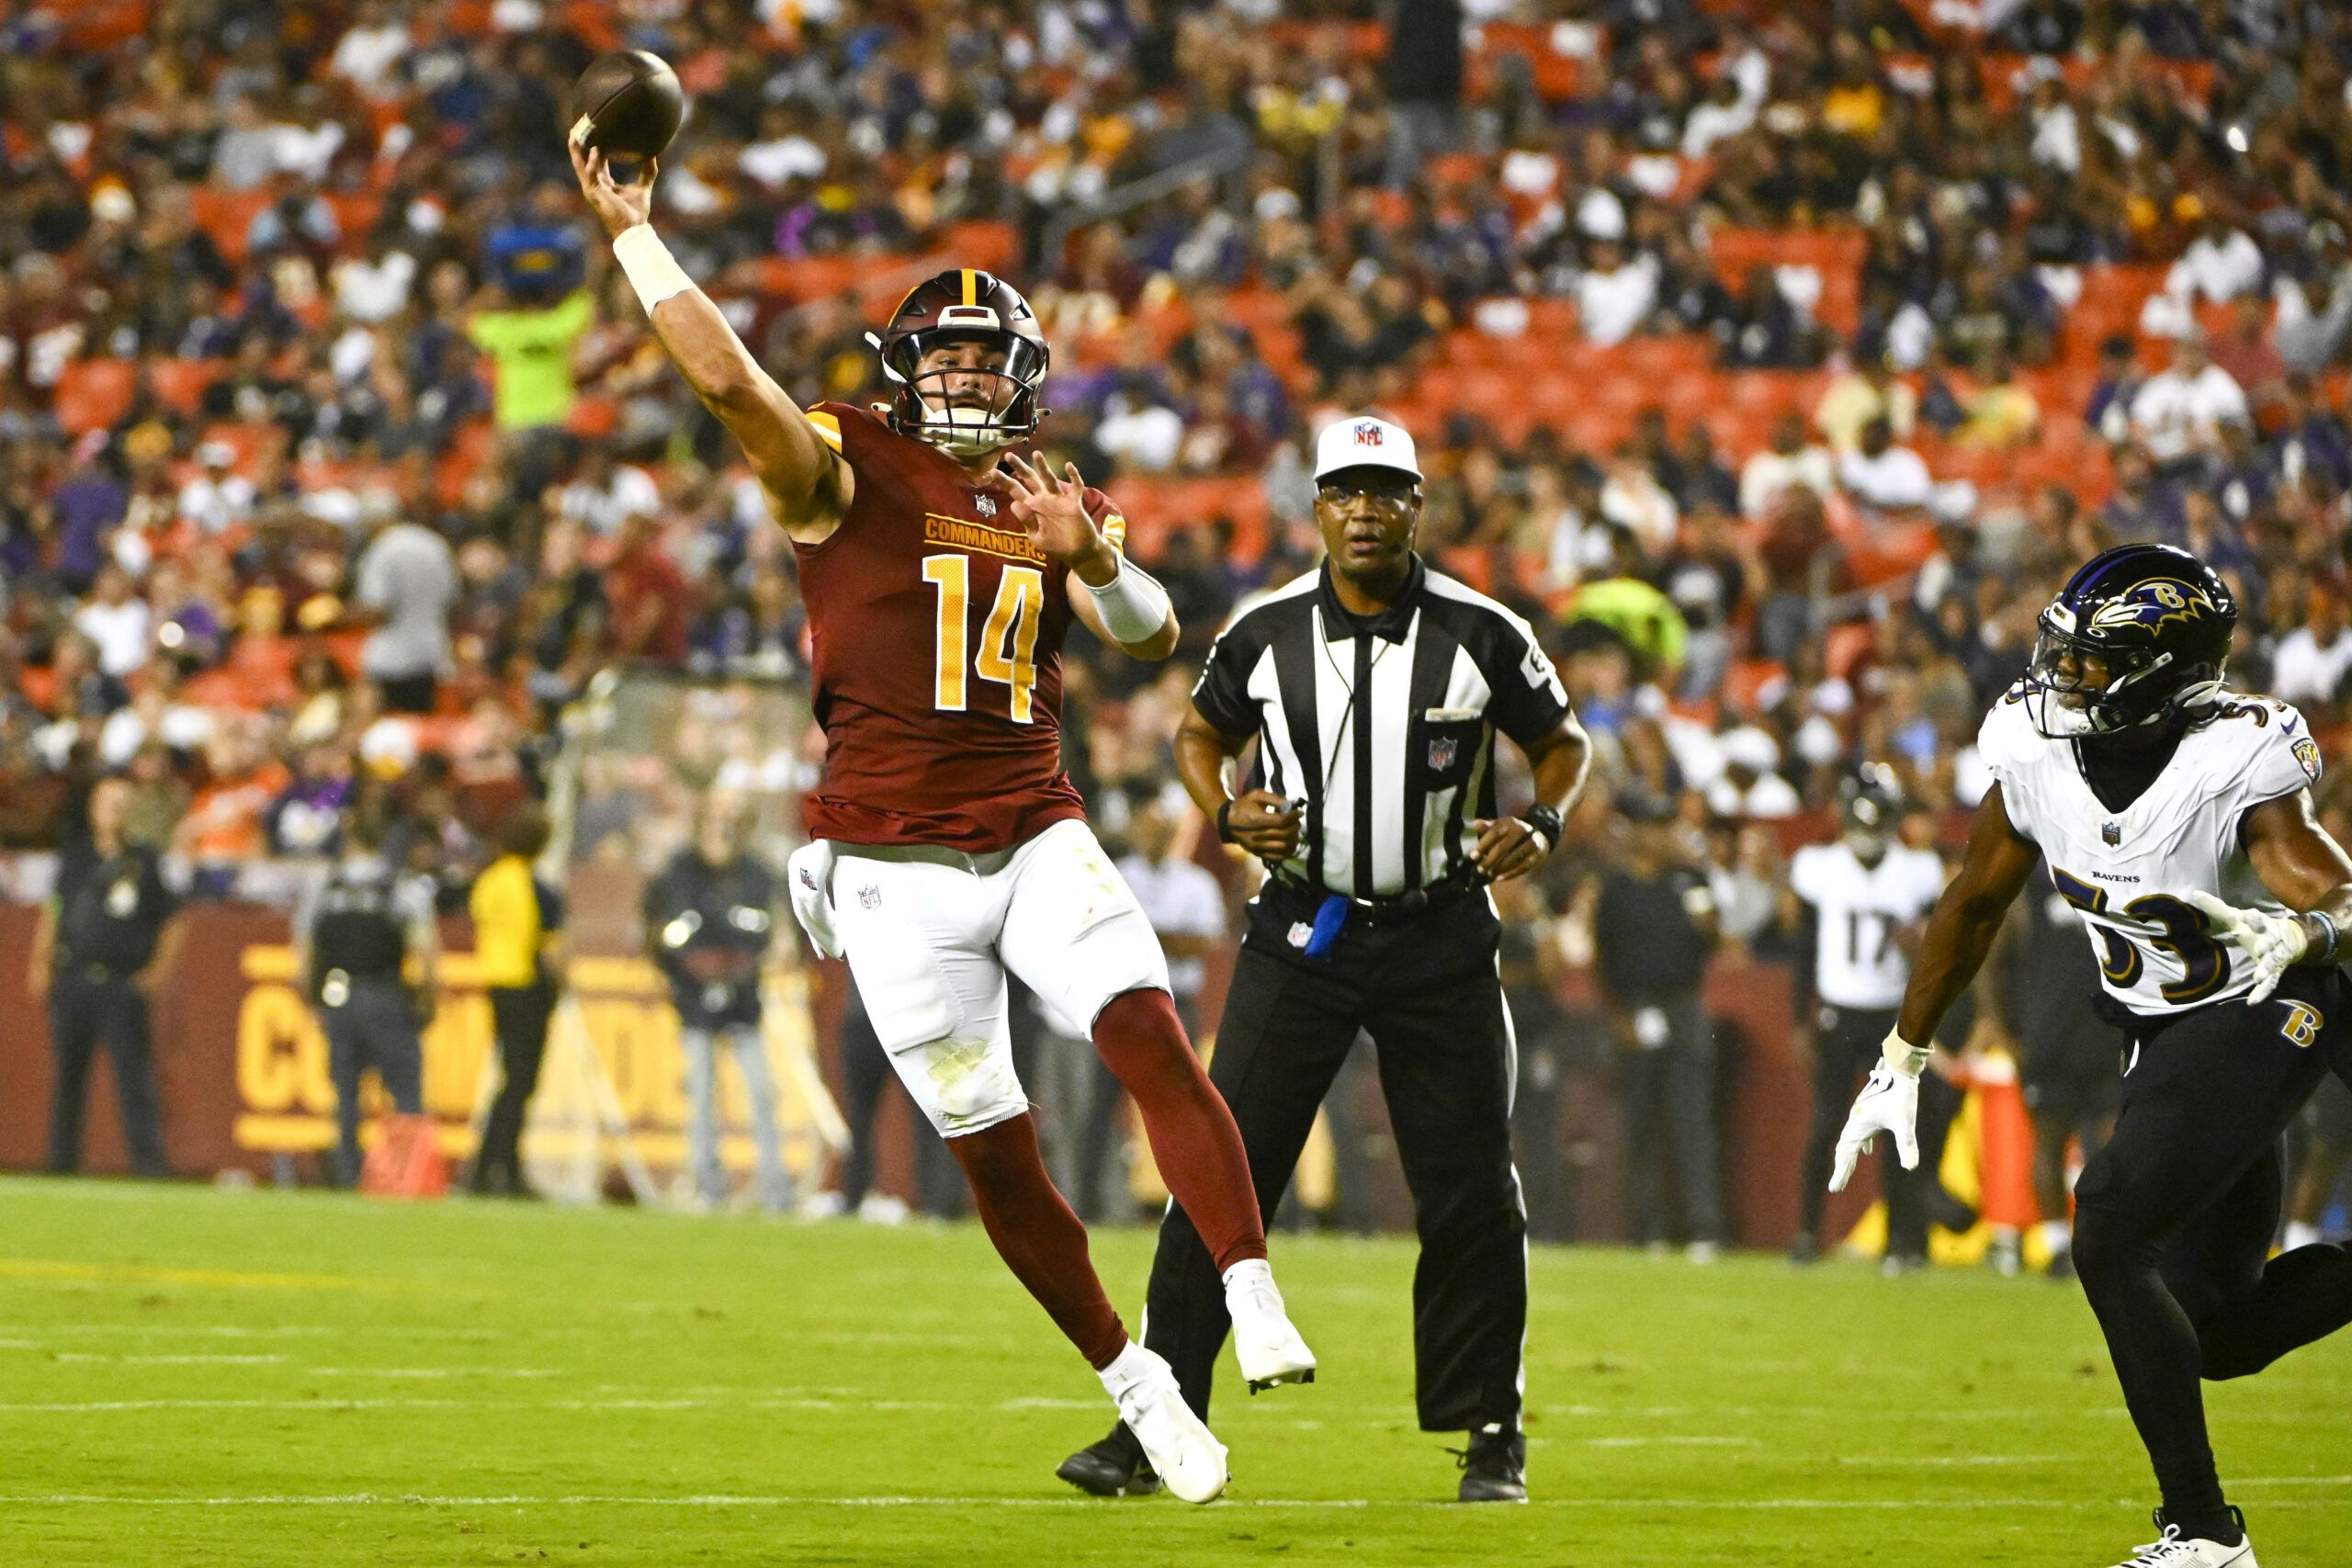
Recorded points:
(518, 945)
(1884, 480)
(105, 942)
(1787, 461)
(403, 585)
(2308, 668)
(651, 600)
(2180, 413)
(1867, 390)
(1653, 925)
(530, 348)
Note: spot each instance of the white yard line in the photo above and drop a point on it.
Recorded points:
(377, 1499)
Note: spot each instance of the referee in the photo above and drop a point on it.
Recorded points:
(1374, 687)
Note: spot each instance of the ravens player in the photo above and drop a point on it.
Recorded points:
(2177, 818)
(1863, 899)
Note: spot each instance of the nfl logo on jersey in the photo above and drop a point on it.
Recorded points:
(986, 504)
(2110, 833)
(1442, 753)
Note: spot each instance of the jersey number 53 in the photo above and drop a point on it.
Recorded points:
(2204, 966)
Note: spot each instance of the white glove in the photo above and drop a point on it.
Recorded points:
(1888, 1103)
(809, 878)
(2272, 941)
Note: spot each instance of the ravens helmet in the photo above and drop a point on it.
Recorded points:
(2139, 635)
(964, 306)
(1869, 799)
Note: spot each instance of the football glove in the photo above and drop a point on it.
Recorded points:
(1888, 1103)
(2270, 941)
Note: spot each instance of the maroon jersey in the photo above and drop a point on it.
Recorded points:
(936, 628)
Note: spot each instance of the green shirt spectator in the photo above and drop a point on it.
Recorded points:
(1646, 619)
(532, 350)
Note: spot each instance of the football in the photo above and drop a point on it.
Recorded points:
(629, 104)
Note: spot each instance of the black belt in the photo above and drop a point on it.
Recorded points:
(1387, 908)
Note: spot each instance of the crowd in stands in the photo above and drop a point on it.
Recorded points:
(1776, 359)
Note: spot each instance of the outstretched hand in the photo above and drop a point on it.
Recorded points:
(1053, 510)
(617, 207)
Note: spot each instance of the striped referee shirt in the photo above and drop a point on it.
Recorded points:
(1384, 726)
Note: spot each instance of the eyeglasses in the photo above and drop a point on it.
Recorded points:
(1380, 492)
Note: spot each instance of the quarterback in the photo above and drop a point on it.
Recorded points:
(2177, 818)
(941, 571)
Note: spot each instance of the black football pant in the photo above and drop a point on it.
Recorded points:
(375, 1027)
(1846, 1047)
(1424, 986)
(519, 1017)
(86, 1012)
(1667, 1094)
(2174, 1218)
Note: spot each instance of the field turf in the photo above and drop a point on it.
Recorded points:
(198, 1377)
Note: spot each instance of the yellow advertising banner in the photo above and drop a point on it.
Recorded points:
(619, 1007)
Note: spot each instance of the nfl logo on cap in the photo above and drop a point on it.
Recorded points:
(1364, 442)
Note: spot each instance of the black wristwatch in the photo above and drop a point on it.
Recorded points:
(1546, 820)
(1224, 823)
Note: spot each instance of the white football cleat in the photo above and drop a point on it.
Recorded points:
(2173, 1550)
(1188, 1458)
(1271, 1351)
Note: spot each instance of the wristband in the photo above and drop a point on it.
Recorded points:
(1224, 823)
(1903, 1056)
(1134, 607)
(2315, 949)
(652, 270)
(1546, 823)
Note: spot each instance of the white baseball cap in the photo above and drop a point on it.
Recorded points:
(1364, 442)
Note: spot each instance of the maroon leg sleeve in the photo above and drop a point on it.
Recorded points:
(1193, 1137)
(1037, 1236)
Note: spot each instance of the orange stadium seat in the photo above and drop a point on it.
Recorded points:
(182, 382)
(226, 215)
(92, 393)
(1834, 254)
(2112, 294)
(94, 26)
(1157, 506)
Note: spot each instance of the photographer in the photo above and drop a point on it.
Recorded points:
(708, 923)
(353, 938)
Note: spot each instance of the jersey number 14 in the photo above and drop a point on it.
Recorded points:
(1008, 652)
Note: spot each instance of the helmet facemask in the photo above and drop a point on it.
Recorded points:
(2063, 703)
(924, 407)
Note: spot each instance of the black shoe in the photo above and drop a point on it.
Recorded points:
(1494, 1468)
(1804, 1249)
(2060, 1265)
(1950, 1211)
(1112, 1467)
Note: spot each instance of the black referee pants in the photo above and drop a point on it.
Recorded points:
(1425, 987)
(87, 1010)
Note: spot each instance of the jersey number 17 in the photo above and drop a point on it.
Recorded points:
(1008, 651)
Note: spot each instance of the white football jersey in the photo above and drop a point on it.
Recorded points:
(2127, 871)
(1858, 910)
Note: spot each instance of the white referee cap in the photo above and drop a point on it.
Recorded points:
(1364, 442)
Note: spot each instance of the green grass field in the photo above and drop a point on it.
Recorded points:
(190, 1376)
